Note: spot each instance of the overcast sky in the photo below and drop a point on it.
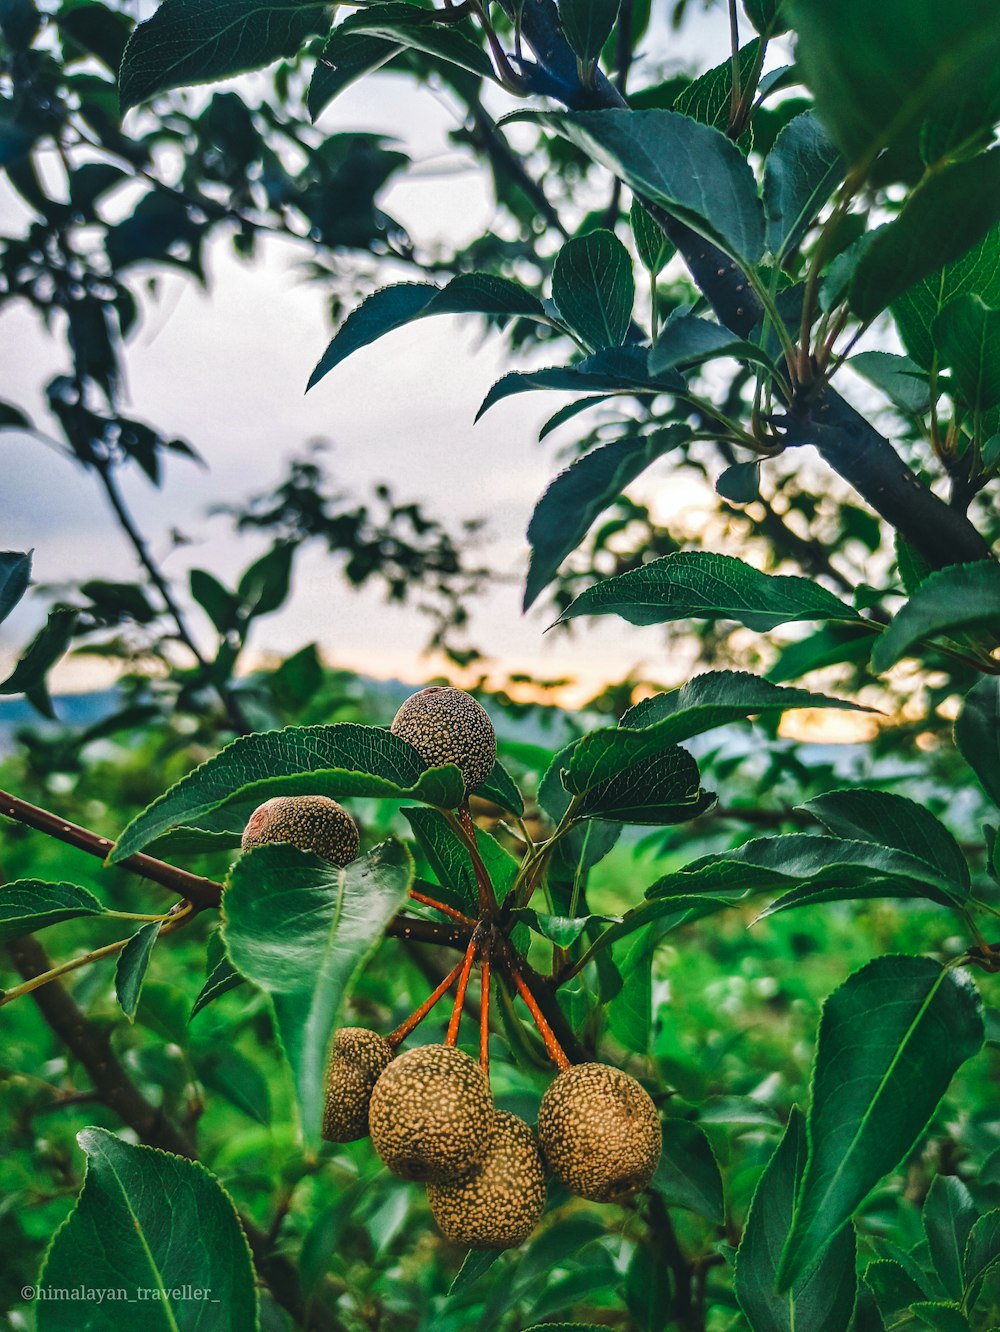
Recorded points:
(226, 370)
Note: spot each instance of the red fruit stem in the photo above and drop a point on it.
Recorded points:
(484, 1016)
(403, 1030)
(555, 1051)
(463, 984)
(441, 906)
(487, 897)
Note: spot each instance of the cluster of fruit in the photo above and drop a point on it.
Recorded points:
(430, 1110)
(431, 1117)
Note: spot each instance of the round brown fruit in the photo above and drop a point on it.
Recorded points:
(311, 822)
(498, 1203)
(446, 725)
(599, 1132)
(358, 1059)
(431, 1115)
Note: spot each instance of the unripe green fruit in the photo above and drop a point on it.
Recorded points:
(498, 1204)
(446, 725)
(311, 822)
(599, 1132)
(359, 1058)
(431, 1115)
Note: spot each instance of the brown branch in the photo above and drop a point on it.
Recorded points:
(202, 892)
(91, 1046)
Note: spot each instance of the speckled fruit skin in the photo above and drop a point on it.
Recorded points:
(447, 725)
(358, 1060)
(311, 822)
(431, 1115)
(498, 1204)
(599, 1132)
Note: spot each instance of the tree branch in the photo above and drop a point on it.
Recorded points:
(846, 441)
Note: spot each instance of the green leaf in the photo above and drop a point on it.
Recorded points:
(202, 41)
(132, 963)
(661, 788)
(576, 497)
(15, 574)
(501, 788)
(224, 978)
(393, 307)
(688, 340)
(662, 721)
(174, 1229)
(892, 820)
(451, 862)
(905, 60)
(225, 1070)
(982, 1252)
(27, 905)
(977, 733)
(630, 1012)
(263, 587)
(899, 378)
(801, 172)
(692, 171)
(42, 653)
(977, 271)
(708, 98)
(715, 698)
(699, 584)
(346, 57)
(967, 334)
(833, 869)
(891, 1039)
(420, 30)
(587, 25)
(740, 484)
(827, 646)
(476, 1264)
(562, 930)
(963, 596)
(652, 245)
(943, 1317)
(572, 409)
(593, 288)
(948, 1215)
(216, 601)
(942, 220)
(825, 1299)
(894, 1288)
(613, 370)
(688, 1173)
(341, 760)
(668, 913)
(302, 930)
(12, 418)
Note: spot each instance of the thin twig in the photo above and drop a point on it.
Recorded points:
(555, 1051)
(484, 1016)
(463, 981)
